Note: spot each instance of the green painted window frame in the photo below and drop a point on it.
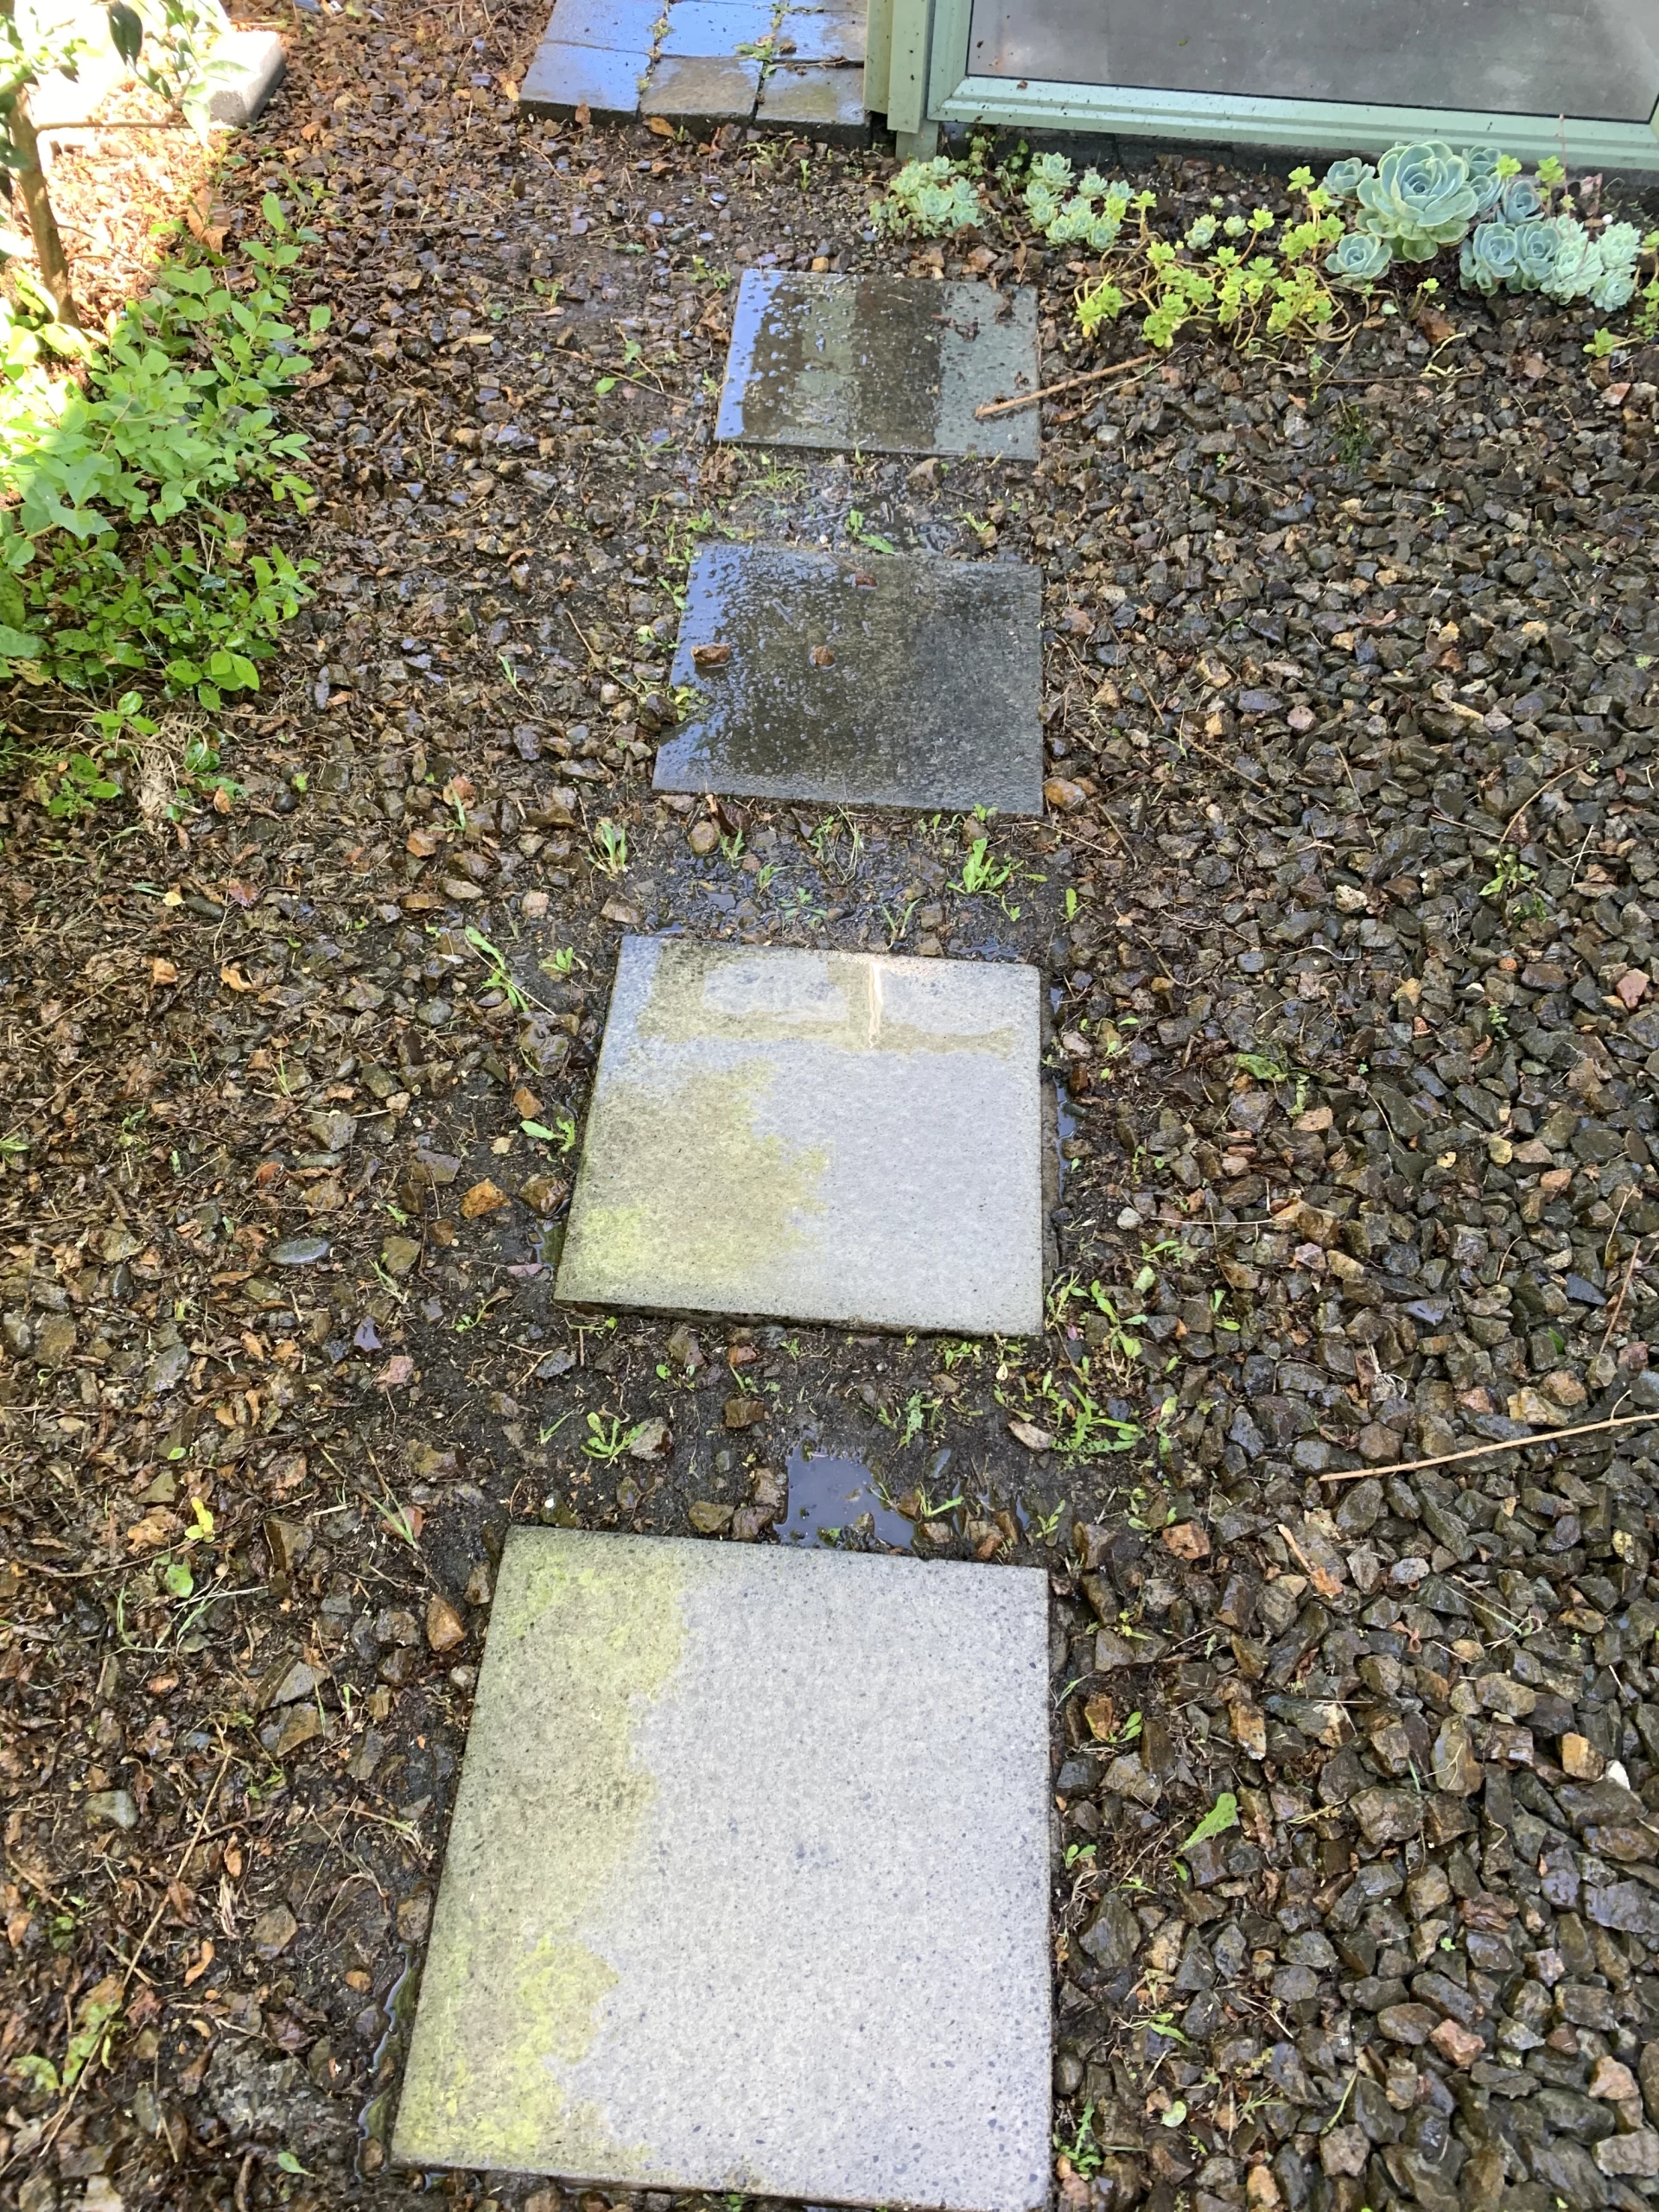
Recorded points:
(933, 36)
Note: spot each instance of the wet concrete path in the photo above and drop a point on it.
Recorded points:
(720, 1879)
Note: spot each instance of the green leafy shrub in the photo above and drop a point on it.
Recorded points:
(929, 199)
(176, 415)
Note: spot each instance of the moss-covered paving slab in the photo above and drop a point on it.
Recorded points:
(863, 679)
(879, 365)
(820, 1137)
(747, 1883)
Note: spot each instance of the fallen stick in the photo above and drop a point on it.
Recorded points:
(1065, 384)
(1479, 1451)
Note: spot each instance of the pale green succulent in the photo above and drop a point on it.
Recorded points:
(1420, 200)
(929, 199)
(1053, 170)
(1359, 258)
(1342, 179)
(1601, 270)
(1078, 221)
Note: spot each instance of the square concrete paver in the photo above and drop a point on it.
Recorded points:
(817, 1136)
(702, 28)
(618, 26)
(747, 1887)
(863, 679)
(823, 34)
(881, 364)
(702, 94)
(562, 79)
(816, 100)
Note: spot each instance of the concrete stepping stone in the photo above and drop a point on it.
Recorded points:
(823, 34)
(617, 26)
(840, 1137)
(565, 76)
(879, 364)
(700, 29)
(702, 93)
(861, 679)
(815, 102)
(746, 1886)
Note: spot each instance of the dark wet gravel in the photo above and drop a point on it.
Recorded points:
(1357, 1151)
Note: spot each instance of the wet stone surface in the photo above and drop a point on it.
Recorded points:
(861, 679)
(822, 34)
(759, 1932)
(701, 93)
(881, 364)
(827, 103)
(704, 29)
(618, 26)
(563, 77)
(831, 1137)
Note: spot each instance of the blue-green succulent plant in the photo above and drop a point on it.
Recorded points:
(1535, 248)
(1342, 179)
(1520, 200)
(1359, 258)
(1420, 200)
(1487, 259)
(1483, 176)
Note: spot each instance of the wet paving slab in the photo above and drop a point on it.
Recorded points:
(879, 365)
(810, 1136)
(565, 77)
(703, 93)
(861, 679)
(701, 28)
(823, 103)
(747, 1887)
(617, 26)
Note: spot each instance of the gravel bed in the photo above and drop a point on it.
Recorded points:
(1347, 902)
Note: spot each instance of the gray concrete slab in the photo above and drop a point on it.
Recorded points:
(746, 1886)
(861, 679)
(253, 64)
(817, 1136)
(702, 29)
(562, 79)
(879, 363)
(822, 34)
(617, 26)
(815, 100)
(702, 94)
(1518, 57)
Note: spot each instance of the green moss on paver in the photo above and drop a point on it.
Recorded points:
(554, 1800)
(751, 1192)
(822, 1136)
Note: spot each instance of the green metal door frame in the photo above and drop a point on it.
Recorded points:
(929, 83)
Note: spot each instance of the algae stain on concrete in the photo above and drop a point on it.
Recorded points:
(554, 1800)
(847, 1001)
(688, 1147)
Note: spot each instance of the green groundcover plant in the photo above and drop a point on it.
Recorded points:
(128, 468)
(1258, 277)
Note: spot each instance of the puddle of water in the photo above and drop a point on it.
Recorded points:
(827, 1494)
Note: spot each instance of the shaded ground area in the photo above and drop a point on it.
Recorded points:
(1348, 910)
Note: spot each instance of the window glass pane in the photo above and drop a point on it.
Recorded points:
(1590, 58)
